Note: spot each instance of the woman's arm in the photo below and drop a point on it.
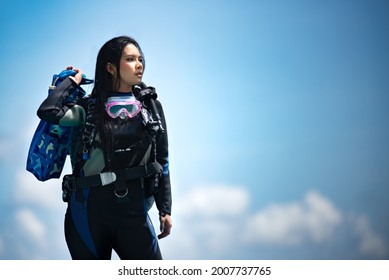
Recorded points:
(56, 110)
(163, 195)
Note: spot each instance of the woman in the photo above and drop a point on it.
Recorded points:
(119, 158)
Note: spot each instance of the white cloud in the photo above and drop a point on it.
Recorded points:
(29, 224)
(371, 242)
(216, 222)
(28, 190)
(214, 201)
(205, 222)
(7, 150)
(29, 128)
(31, 235)
(210, 221)
(321, 216)
(314, 218)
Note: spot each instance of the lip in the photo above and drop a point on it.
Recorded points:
(139, 74)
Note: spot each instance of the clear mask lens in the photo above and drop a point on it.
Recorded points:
(120, 107)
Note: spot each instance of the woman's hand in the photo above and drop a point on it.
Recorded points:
(166, 225)
(78, 77)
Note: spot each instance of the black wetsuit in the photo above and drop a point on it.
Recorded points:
(113, 216)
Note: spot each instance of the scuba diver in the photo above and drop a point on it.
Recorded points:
(119, 155)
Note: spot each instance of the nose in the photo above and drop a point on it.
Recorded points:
(139, 65)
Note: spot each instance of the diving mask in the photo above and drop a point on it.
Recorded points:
(122, 106)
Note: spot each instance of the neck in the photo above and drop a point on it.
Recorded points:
(120, 93)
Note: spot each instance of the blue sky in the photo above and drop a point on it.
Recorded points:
(277, 119)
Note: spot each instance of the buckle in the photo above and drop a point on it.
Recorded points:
(107, 178)
(69, 182)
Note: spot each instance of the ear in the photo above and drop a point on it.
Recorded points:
(111, 69)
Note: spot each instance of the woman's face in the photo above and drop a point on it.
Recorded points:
(131, 69)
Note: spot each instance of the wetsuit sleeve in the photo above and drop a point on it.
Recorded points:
(54, 107)
(163, 195)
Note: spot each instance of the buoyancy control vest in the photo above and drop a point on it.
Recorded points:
(131, 151)
(129, 139)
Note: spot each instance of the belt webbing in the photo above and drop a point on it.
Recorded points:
(128, 173)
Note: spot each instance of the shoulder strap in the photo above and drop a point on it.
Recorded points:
(90, 123)
(88, 134)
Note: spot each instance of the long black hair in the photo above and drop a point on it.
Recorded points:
(110, 52)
